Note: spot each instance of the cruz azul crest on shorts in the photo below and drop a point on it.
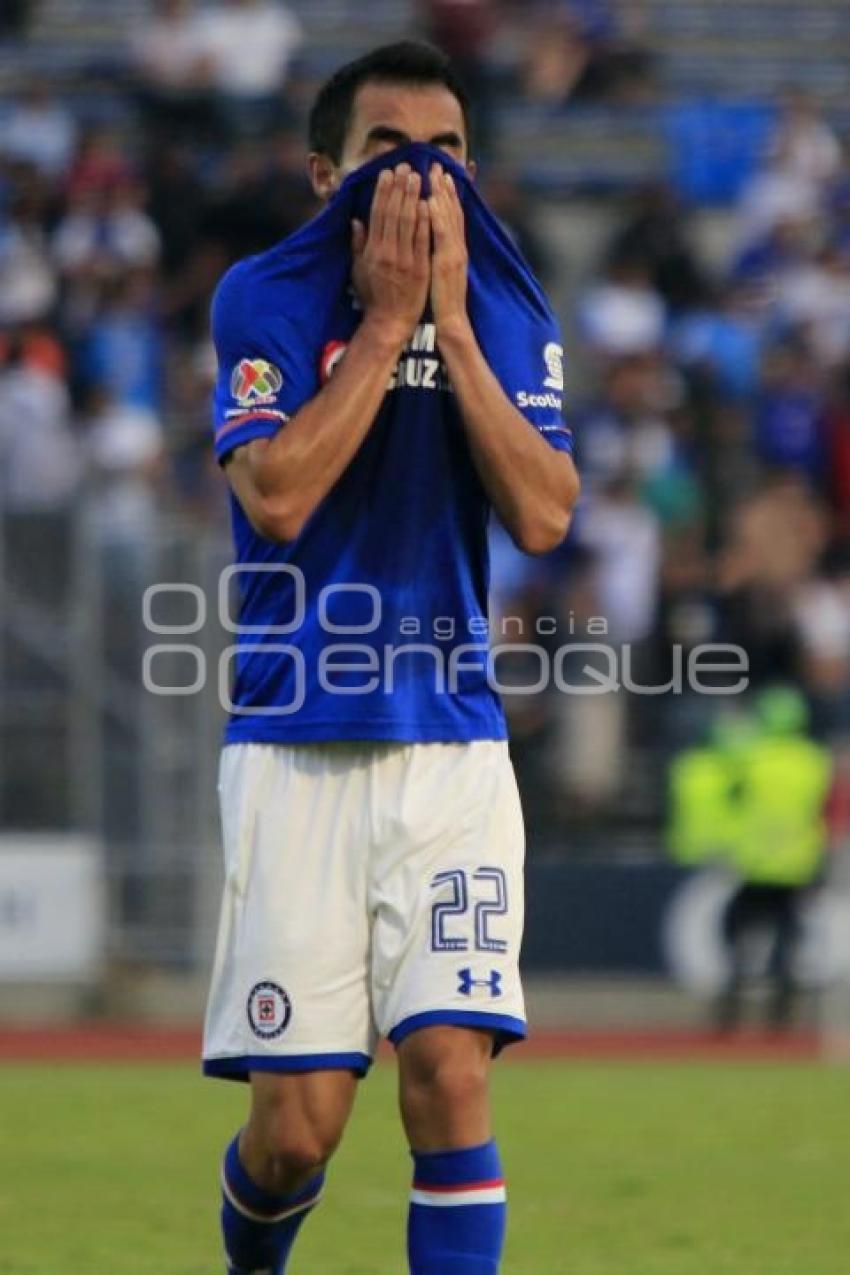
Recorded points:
(255, 381)
(269, 1010)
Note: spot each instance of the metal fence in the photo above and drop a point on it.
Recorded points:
(84, 748)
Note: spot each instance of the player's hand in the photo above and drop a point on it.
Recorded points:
(450, 262)
(391, 268)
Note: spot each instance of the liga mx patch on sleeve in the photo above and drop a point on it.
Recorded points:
(255, 382)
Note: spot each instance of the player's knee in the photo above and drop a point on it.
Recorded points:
(299, 1139)
(297, 1147)
(299, 1157)
(297, 1122)
(453, 1080)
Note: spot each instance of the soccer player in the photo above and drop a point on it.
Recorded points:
(372, 830)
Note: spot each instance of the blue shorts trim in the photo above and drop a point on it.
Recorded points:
(506, 1029)
(241, 1066)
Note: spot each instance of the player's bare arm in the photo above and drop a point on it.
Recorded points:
(280, 481)
(532, 488)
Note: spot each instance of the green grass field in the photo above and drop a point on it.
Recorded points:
(613, 1169)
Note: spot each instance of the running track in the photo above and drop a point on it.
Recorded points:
(126, 1043)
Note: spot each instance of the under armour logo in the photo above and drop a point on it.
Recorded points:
(466, 982)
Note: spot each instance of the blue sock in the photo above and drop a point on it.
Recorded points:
(259, 1229)
(456, 1224)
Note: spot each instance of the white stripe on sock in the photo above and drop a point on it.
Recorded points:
(451, 1199)
(265, 1217)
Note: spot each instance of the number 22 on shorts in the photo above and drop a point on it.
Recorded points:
(450, 913)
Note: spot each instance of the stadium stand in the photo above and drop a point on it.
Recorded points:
(689, 210)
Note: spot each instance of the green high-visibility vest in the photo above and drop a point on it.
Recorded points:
(780, 830)
(702, 813)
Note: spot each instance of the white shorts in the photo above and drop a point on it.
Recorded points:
(371, 889)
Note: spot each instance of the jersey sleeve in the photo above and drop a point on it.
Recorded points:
(263, 375)
(521, 341)
(536, 382)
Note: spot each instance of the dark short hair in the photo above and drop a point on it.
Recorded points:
(407, 62)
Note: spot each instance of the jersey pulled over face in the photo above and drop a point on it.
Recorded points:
(373, 623)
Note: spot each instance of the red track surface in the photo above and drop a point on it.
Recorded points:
(118, 1042)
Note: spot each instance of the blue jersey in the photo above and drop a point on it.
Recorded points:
(372, 624)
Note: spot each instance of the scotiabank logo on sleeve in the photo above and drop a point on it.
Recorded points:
(553, 357)
(524, 399)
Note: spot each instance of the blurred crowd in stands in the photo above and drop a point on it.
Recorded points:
(714, 444)
(712, 409)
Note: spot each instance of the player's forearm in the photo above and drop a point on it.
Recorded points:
(532, 487)
(296, 470)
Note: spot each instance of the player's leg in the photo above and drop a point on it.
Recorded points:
(289, 1000)
(448, 901)
(458, 1204)
(274, 1171)
(444, 1087)
(735, 924)
(785, 924)
(294, 1126)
